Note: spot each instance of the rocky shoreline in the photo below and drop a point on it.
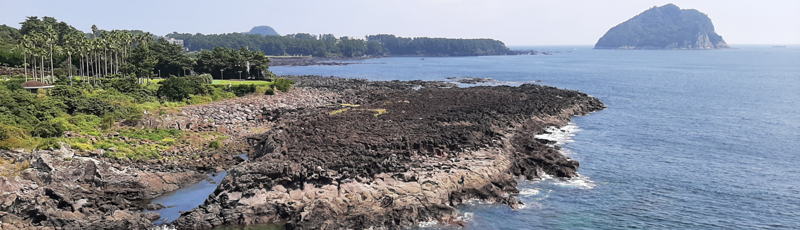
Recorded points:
(312, 61)
(405, 153)
(332, 153)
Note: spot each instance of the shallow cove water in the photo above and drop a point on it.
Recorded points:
(700, 139)
(186, 199)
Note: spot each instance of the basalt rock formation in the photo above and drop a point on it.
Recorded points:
(665, 27)
(60, 190)
(392, 155)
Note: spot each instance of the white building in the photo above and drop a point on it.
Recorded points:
(176, 42)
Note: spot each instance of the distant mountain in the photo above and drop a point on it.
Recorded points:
(665, 27)
(263, 30)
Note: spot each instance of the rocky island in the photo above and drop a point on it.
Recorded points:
(665, 27)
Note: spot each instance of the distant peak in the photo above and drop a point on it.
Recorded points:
(670, 5)
(263, 31)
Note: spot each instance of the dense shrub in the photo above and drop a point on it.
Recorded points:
(8, 132)
(179, 88)
(70, 96)
(49, 144)
(11, 137)
(48, 128)
(25, 109)
(241, 90)
(219, 93)
(14, 84)
(127, 84)
(215, 145)
(94, 106)
(282, 84)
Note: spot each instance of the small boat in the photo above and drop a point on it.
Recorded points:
(422, 59)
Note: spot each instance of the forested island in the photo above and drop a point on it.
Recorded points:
(665, 27)
(328, 45)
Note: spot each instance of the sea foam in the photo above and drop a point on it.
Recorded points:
(562, 135)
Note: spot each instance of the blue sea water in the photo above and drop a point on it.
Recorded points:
(691, 139)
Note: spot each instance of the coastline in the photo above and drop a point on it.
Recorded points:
(341, 61)
(332, 152)
(381, 172)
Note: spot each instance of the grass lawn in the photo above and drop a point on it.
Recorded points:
(256, 83)
(226, 82)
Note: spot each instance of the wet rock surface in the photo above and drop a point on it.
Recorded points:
(312, 61)
(469, 80)
(392, 155)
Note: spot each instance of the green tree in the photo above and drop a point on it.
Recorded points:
(179, 88)
(254, 64)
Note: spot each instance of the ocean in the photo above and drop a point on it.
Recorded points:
(691, 139)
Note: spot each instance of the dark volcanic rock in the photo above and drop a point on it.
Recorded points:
(665, 27)
(405, 154)
(64, 191)
(154, 207)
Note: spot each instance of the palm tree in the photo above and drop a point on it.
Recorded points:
(104, 45)
(26, 49)
(52, 36)
(40, 43)
(95, 45)
(70, 48)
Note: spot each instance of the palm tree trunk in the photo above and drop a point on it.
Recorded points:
(70, 69)
(105, 51)
(25, 65)
(97, 66)
(33, 67)
(52, 68)
(86, 66)
(42, 69)
(80, 69)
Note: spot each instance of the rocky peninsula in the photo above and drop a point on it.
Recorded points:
(392, 155)
(331, 153)
(664, 27)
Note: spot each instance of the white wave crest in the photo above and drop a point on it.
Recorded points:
(466, 217)
(529, 192)
(580, 182)
(428, 224)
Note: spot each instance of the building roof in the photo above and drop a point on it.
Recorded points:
(35, 84)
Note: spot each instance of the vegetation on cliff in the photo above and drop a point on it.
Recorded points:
(37, 120)
(665, 27)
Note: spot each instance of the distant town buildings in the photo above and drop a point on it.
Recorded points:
(176, 42)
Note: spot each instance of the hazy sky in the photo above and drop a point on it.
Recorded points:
(516, 22)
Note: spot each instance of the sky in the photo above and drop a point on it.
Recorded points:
(515, 22)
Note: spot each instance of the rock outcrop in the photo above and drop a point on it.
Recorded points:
(403, 155)
(60, 190)
(665, 27)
